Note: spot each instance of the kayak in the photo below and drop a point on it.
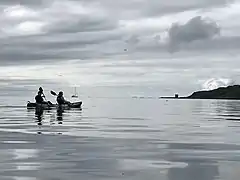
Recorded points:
(31, 105)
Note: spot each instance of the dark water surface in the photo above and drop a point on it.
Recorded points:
(123, 138)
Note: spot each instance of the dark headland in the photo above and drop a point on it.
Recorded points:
(230, 92)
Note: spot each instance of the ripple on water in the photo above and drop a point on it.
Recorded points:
(180, 140)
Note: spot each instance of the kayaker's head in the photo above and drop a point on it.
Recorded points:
(60, 93)
(40, 89)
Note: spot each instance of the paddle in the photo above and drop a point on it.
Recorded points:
(48, 102)
(53, 93)
(44, 96)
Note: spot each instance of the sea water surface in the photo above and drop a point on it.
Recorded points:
(119, 138)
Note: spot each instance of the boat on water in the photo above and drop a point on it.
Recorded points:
(75, 93)
(33, 105)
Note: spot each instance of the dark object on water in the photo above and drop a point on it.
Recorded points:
(176, 95)
(31, 105)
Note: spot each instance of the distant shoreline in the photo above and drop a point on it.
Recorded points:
(224, 93)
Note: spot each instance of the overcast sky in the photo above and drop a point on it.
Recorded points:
(91, 29)
(180, 35)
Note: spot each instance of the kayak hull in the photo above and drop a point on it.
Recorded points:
(32, 105)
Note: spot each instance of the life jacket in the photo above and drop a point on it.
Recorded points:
(60, 100)
(38, 99)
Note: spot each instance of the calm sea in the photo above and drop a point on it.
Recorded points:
(119, 137)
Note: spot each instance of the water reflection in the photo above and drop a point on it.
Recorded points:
(39, 118)
(60, 115)
(228, 110)
(17, 160)
(226, 106)
(216, 109)
(198, 168)
(46, 120)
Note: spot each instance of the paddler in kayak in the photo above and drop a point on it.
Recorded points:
(39, 98)
(61, 100)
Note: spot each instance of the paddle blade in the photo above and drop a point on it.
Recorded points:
(53, 93)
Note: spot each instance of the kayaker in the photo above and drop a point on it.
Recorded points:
(61, 100)
(39, 98)
(40, 90)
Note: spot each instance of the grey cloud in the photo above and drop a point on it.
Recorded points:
(195, 29)
(18, 57)
(82, 24)
(162, 7)
(76, 19)
(133, 39)
(25, 2)
(215, 45)
(57, 44)
(143, 8)
(206, 46)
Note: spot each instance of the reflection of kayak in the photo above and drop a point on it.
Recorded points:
(31, 105)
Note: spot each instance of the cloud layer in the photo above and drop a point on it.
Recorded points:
(54, 30)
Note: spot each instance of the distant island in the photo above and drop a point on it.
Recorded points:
(230, 92)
